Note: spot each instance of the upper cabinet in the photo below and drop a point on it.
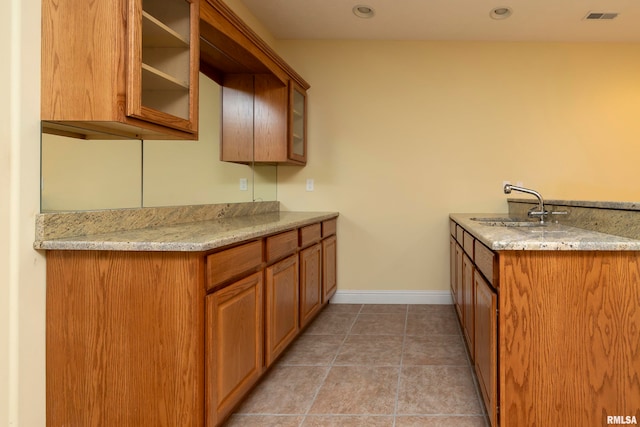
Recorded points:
(127, 68)
(263, 120)
(297, 123)
(263, 98)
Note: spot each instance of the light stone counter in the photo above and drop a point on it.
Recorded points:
(194, 236)
(551, 236)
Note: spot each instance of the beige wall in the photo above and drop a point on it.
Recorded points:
(403, 133)
(22, 282)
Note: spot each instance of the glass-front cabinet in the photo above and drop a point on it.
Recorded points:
(298, 124)
(128, 68)
(162, 75)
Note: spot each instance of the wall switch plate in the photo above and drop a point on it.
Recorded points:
(309, 184)
(243, 184)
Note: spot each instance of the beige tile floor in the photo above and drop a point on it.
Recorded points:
(370, 365)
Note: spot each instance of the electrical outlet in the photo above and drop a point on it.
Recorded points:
(243, 184)
(309, 184)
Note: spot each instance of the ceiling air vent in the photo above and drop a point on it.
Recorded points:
(599, 16)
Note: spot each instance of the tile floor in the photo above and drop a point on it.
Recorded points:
(370, 365)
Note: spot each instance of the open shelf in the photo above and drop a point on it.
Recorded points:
(157, 34)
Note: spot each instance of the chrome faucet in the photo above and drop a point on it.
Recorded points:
(540, 212)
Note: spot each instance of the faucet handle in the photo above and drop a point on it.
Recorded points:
(533, 212)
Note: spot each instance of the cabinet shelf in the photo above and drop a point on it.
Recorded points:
(155, 79)
(157, 34)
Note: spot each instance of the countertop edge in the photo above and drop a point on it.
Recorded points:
(558, 237)
(236, 230)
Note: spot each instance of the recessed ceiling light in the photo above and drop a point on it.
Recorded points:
(501, 12)
(362, 11)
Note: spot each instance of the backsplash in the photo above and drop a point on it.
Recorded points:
(79, 223)
(617, 218)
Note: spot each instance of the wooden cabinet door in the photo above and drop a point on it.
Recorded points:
(486, 344)
(162, 83)
(234, 344)
(310, 283)
(452, 268)
(458, 284)
(468, 299)
(297, 129)
(329, 267)
(281, 320)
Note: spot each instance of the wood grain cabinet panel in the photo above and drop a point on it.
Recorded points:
(570, 344)
(329, 227)
(234, 344)
(125, 339)
(281, 317)
(310, 234)
(452, 268)
(486, 329)
(486, 261)
(310, 283)
(329, 267)
(281, 245)
(469, 302)
(232, 263)
(459, 292)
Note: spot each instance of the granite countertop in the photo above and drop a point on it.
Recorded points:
(192, 236)
(550, 236)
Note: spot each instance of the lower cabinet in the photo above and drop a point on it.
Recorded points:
(281, 317)
(329, 267)
(234, 344)
(486, 327)
(468, 304)
(124, 338)
(176, 338)
(458, 291)
(310, 283)
(474, 278)
(548, 329)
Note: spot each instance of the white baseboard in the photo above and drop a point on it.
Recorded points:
(392, 297)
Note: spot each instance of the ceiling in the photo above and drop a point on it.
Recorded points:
(530, 20)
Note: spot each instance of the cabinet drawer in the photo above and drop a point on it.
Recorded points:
(468, 244)
(485, 260)
(310, 234)
(459, 234)
(329, 227)
(452, 228)
(281, 245)
(233, 262)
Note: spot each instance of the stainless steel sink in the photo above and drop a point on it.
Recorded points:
(509, 222)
